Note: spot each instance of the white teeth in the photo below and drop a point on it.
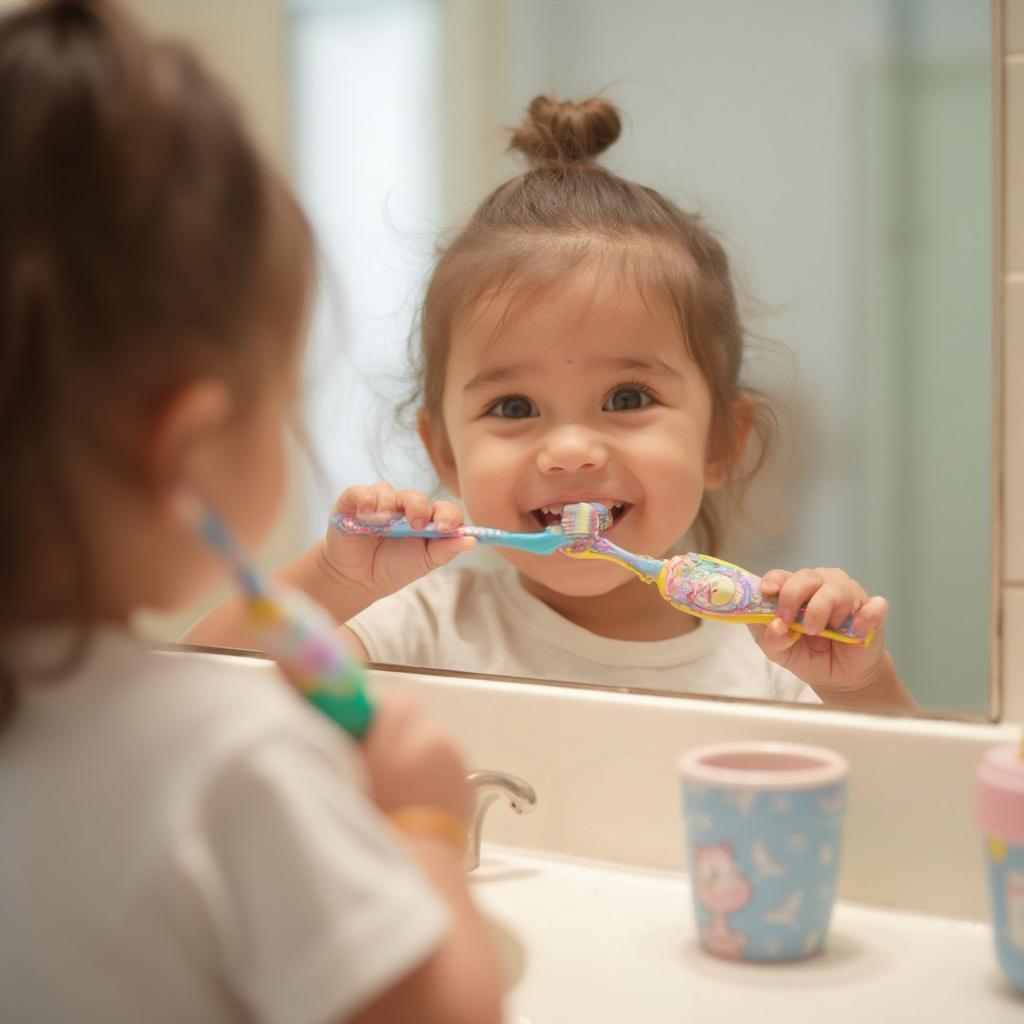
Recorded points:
(557, 510)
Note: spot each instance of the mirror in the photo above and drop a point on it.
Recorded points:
(842, 152)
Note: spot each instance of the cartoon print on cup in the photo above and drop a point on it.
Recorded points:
(722, 889)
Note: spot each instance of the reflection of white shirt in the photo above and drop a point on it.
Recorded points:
(184, 839)
(486, 621)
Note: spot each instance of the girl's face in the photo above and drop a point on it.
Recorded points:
(242, 471)
(585, 393)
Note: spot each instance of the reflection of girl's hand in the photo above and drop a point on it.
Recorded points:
(830, 597)
(381, 565)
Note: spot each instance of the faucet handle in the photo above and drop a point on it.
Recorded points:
(490, 785)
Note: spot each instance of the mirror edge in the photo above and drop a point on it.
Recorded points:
(1000, 700)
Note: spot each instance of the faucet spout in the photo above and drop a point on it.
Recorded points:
(489, 786)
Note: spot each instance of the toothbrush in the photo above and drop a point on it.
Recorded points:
(580, 521)
(706, 587)
(299, 634)
(698, 584)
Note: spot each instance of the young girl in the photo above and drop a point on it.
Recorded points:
(180, 842)
(581, 342)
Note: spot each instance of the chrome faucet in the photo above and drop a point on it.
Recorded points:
(488, 787)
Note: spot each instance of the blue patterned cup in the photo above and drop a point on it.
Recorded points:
(763, 833)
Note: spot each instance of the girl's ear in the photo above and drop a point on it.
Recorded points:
(182, 446)
(719, 469)
(435, 440)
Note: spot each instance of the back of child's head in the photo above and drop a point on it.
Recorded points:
(144, 242)
(566, 213)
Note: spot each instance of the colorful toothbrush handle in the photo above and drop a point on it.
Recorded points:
(398, 527)
(304, 641)
(294, 630)
(707, 586)
(543, 542)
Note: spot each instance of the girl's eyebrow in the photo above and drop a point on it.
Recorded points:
(511, 371)
(651, 364)
(499, 374)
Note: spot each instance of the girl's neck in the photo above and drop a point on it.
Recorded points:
(634, 611)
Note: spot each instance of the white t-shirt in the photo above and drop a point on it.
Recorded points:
(485, 621)
(183, 839)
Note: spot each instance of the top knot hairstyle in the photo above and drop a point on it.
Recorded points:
(565, 212)
(143, 241)
(563, 135)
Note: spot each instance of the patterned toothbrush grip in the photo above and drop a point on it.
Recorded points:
(716, 589)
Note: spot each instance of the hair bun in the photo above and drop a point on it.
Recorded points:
(557, 134)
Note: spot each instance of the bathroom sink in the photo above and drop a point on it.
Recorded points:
(592, 942)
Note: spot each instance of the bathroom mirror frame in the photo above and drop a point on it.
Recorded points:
(1000, 701)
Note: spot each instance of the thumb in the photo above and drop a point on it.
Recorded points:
(775, 638)
(440, 552)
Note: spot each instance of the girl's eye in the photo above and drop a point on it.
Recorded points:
(514, 407)
(625, 399)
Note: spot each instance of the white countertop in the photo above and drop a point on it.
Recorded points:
(601, 943)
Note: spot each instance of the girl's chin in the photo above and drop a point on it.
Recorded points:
(573, 577)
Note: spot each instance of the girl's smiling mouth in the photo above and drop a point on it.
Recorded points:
(551, 514)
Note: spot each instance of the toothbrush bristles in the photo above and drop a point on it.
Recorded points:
(585, 519)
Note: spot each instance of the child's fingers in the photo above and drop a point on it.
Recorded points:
(386, 499)
(447, 515)
(871, 615)
(832, 603)
(415, 506)
(796, 592)
(367, 500)
(858, 598)
(776, 638)
(353, 499)
(772, 581)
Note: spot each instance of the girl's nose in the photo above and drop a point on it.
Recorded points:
(571, 450)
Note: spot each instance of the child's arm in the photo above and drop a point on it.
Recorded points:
(843, 675)
(347, 574)
(460, 983)
(412, 764)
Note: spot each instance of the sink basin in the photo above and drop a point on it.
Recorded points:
(592, 942)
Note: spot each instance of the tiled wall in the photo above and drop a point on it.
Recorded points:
(1013, 376)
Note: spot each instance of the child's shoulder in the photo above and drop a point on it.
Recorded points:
(209, 808)
(151, 709)
(230, 710)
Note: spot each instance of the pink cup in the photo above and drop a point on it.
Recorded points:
(999, 813)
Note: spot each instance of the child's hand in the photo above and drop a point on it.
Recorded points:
(383, 566)
(412, 762)
(830, 597)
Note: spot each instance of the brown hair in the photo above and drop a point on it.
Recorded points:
(143, 240)
(566, 211)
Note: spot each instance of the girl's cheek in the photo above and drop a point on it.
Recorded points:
(265, 462)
